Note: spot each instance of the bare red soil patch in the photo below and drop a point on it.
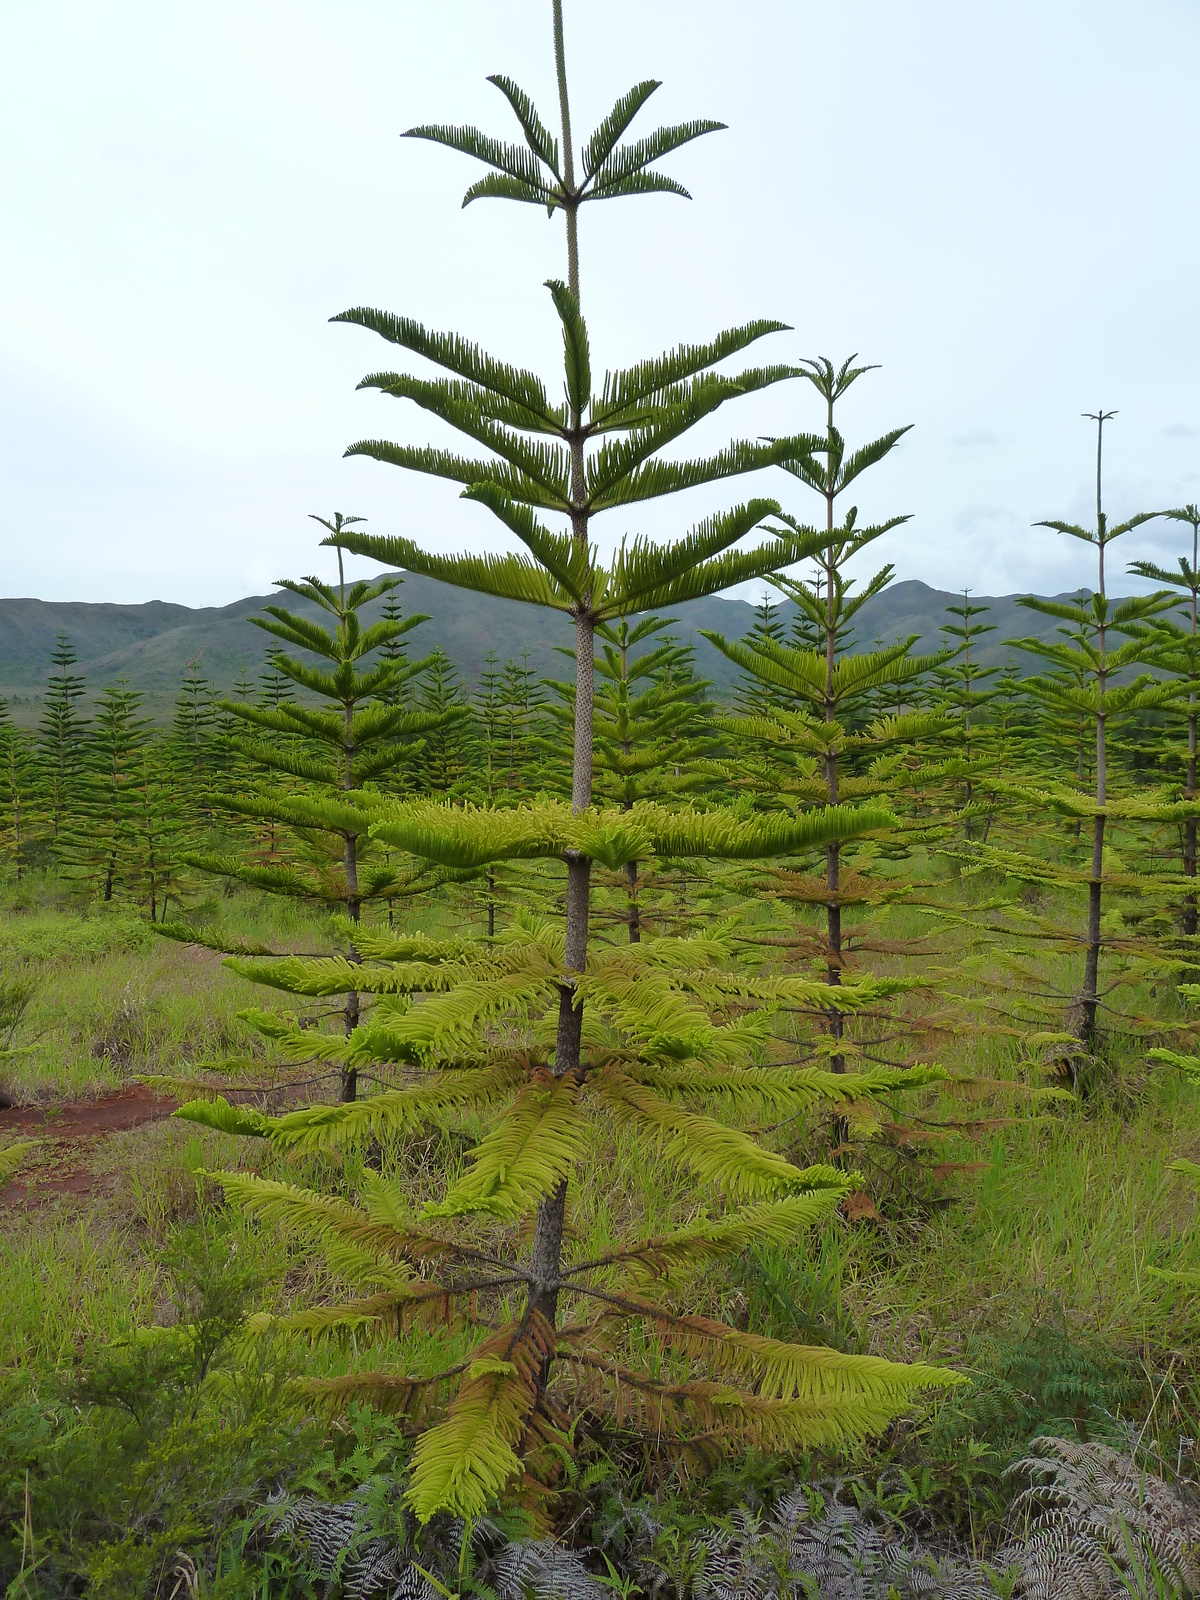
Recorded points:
(71, 1130)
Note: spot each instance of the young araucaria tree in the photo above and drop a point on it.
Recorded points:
(818, 726)
(62, 739)
(963, 694)
(359, 731)
(548, 1041)
(1086, 683)
(649, 729)
(1181, 656)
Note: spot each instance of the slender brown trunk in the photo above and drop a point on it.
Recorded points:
(1091, 972)
(833, 858)
(546, 1256)
(635, 912)
(349, 1084)
(1189, 828)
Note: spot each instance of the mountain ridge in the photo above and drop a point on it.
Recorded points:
(152, 643)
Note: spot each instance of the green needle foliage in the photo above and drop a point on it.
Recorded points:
(536, 1029)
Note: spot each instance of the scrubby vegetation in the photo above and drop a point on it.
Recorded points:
(546, 1138)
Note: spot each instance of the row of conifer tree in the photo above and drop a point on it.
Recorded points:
(114, 800)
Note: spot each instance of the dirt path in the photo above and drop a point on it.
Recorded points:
(71, 1132)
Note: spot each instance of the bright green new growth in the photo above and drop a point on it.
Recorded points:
(552, 1038)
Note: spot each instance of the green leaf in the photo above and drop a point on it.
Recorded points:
(658, 478)
(566, 559)
(13, 1156)
(462, 1465)
(497, 186)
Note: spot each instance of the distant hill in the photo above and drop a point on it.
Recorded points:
(151, 644)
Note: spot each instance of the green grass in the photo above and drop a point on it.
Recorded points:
(1036, 1264)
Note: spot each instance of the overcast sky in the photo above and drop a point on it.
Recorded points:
(995, 201)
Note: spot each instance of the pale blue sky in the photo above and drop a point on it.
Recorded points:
(995, 200)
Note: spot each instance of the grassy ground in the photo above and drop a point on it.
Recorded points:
(1031, 1270)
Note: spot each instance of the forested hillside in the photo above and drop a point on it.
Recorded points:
(151, 645)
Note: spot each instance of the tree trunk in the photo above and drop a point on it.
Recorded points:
(1091, 970)
(547, 1242)
(635, 913)
(1189, 828)
(546, 1256)
(349, 1086)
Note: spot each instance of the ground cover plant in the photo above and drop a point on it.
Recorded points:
(517, 1138)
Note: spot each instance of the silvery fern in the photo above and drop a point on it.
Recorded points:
(1099, 1526)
